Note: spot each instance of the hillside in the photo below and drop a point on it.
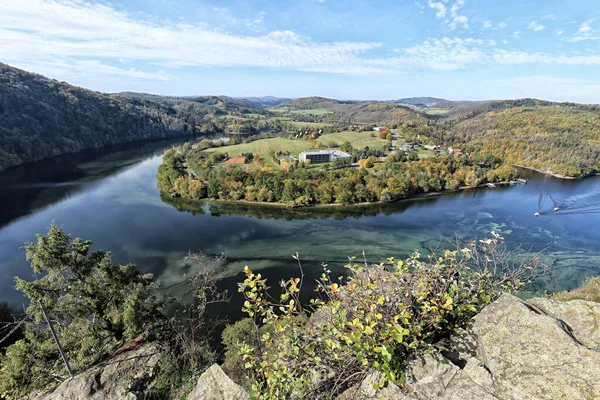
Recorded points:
(349, 112)
(265, 101)
(42, 117)
(563, 139)
(423, 101)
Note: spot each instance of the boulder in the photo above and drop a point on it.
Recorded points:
(512, 350)
(582, 316)
(125, 376)
(533, 355)
(365, 390)
(214, 384)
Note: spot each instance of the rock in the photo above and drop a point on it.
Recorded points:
(214, 384)
(532, 355)
(582, 316)
(124, 376)
(512, 350)
(435, 377)
(366, 390)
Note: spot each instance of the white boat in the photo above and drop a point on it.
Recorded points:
(556, 209)
(537, 214)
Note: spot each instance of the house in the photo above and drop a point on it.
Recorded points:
(434, 147)
(455, 151)
(378, 128)
(322, 156)
(408, 147)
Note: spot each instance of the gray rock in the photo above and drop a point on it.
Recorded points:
(214, 384)
(366, 391)
(124, 376)
(532, 355)
(435, 377)
(512, 350)
(582, 316)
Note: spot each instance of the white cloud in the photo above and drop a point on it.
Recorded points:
(82, 38)
(458, 19)
(487, 25)
(559, 32)
(444, 54)
(502, 25)
(505, 57)
(89, 68)
(516, 34)
(439, 7)
(585, 32)
(535, 26)
(40, 31)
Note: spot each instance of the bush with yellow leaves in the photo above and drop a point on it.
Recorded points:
(378, 318)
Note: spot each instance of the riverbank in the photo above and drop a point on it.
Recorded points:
(338, 205)
(555, 175)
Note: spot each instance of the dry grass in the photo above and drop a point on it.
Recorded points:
(589, 292)
(236, 160)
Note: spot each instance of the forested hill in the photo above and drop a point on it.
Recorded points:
(41, 117)
(349, 112)
(563, 138)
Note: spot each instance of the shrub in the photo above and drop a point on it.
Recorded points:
(381, 317)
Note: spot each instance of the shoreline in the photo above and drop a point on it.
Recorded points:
(570, 178)
(336, 205)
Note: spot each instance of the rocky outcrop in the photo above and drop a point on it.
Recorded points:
(214, 384)
(124, 376)
(582, 316)
(513, 350)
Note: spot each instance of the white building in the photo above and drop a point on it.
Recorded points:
(322, 156)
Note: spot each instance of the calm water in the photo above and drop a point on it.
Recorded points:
(111, 198)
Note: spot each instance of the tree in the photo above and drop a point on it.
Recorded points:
(95, 305)
(413, 156)
(383, 132)
(347, 147)
(196, 190)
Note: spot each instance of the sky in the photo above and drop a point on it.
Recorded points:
(351, 49)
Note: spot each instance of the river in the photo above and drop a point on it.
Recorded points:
(110, 197)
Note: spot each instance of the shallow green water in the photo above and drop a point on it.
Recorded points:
(111, 198)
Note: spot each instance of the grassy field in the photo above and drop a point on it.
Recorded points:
(299, 124)
(265, 147)
(424, 154)
(316, 111)
(358, 139)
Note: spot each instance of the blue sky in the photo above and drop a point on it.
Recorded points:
(353, 49)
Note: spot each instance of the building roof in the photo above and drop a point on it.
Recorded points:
(326, 152)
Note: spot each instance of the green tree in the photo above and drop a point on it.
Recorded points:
(95, 305)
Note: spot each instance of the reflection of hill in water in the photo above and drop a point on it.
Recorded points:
(32, 187)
